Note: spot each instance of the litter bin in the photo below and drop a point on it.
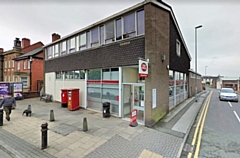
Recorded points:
(106, 109)
(1, 117)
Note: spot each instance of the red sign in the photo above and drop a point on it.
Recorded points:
(133, 117)
(144, 67)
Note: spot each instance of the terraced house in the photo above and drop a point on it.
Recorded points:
(102, 60)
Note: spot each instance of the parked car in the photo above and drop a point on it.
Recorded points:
(228, 94)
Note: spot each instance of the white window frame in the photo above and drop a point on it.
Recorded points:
(18, 65)
(24, 64)
(178, 48)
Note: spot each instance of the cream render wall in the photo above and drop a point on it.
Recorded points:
(54, 87)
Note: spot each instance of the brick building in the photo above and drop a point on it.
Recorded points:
(102, 60)
(17, 67)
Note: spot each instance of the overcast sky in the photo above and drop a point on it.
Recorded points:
(217, 43)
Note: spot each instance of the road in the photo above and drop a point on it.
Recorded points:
(221, 131)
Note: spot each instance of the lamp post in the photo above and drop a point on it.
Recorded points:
(197, 27)
(205, 75)
(30, 60)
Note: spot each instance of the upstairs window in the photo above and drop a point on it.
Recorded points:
(95, 41)
(49, 52)
(178, 48)
(83, 41)
(28, 64)
(18, 65)
(56, 50)
(129, 26)
(25, 64)
(118, 29)
(101, 35)
(140, 22)
(63, 47)
(13, 63)
(88, 39)
(109, 32)
(72, 45)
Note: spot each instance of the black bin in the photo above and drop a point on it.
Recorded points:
(106, 109)
(1, 117)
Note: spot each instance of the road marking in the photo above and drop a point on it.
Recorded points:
(236, 116)
(229, 103)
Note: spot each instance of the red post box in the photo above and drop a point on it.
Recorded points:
(64, 97)
(73, 99)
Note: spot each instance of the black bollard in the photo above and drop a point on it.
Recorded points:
(51, 116)
(85, 125)
(44, 135)
(1, 117)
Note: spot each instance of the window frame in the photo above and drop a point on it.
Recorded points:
(178, 48)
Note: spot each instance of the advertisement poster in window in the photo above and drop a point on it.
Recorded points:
(4, 89)
(18, 90)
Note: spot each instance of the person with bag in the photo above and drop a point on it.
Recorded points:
(7, 103)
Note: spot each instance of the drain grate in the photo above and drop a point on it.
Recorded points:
(64, 129)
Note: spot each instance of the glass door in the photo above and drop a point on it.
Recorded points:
(138, 101)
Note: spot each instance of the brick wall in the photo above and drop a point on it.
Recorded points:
(157, 39)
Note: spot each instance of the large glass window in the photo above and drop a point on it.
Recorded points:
(71, 45)
(83, 41)
(101, 35)
(58, 75)
(63, 47)
(24, 80)
(88, 39)
(95, 41)
(109, 32)
(119, 29)
(129, 26)
(56, 50)
(94, 74)
(178, 47)
(49, 52)
(140, 22)
(110, 74)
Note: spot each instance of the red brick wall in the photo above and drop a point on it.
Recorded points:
(37, 71)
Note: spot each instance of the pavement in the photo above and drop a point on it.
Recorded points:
(106, 137)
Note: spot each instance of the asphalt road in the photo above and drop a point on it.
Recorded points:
(220, 137)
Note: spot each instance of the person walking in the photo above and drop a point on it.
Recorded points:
(7, 103)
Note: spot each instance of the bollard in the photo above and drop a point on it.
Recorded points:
(51, 116)
(1, 117)
(44, 135)
(85, 125)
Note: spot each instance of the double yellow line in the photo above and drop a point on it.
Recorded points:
(199, 128)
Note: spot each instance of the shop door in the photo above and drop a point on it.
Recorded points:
(138, 101)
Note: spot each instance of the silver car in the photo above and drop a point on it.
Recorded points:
(228, 94)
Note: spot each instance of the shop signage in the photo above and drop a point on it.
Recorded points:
(143, 68)
(133, 117)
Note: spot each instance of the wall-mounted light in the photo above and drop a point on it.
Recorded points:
(163, 58)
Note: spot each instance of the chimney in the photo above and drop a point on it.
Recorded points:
(55, 37)
(17, 43)
(1, 50)
(25, 42)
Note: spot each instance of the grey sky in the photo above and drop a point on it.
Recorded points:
(217, 40)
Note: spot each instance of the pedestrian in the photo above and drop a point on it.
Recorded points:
(7, 103)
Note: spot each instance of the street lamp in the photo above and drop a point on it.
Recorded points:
(30, 60)
(197, 27)
(205, 74)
